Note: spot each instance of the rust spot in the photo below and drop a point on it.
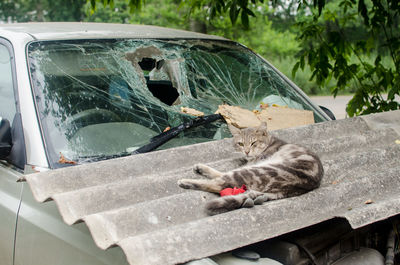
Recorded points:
(64, 160)
(368, 201)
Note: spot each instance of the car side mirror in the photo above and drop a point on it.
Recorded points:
(328, 112)
(5, 138)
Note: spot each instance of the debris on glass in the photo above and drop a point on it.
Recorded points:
(192, 111)
(63, 160)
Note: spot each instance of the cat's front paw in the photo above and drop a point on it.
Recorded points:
(248, 203)
(243, 161)
(186, 184)
(260, 200)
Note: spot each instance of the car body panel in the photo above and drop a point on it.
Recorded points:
(32, 134)
(43, 238)
(10, 195)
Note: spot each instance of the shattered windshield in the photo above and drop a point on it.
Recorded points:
(100, 98)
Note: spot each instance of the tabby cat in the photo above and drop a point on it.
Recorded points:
(273, 170)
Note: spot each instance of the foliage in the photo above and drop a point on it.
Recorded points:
(234, 8)
(279, 47)
(156, 13)
(334, 44)
(302, 77)
(119, 13)
(332, 49)
(41, 10)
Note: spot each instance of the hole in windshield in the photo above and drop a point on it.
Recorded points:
(158, 81)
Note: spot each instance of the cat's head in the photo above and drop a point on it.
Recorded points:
(251, 141)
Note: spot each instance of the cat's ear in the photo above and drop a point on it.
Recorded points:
(263, 125)
(234, 130)
(263, 128)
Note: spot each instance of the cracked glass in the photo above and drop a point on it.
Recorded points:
(106, 98)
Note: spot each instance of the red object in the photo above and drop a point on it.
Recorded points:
(234, 191)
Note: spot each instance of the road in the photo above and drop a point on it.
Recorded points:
(336, 105)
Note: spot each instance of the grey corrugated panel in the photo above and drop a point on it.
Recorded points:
(216, 234)
(384, 120)
(149, 187)
(174, 210)
(119, 193)
(72, 178)
(135, 203)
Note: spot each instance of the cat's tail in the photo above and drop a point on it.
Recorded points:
(232, 202)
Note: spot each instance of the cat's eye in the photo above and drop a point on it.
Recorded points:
(240, 144)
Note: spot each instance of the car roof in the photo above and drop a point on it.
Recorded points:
(83, 30)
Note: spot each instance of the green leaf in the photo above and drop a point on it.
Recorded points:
(391, 94)
(321, 4)
(362, 9)
(245, 20)
(302, 62)
(295, 68)
(243, 4)
(213, 12)
(378, 60)
(93, 4)
(249, 12)
(233, 13)
(335, 91)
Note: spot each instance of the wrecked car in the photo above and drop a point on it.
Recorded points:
(77, 96)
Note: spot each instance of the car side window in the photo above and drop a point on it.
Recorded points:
(7, 99)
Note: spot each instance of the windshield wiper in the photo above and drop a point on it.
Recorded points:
(155, 141)
(164, 137)
(96, 158)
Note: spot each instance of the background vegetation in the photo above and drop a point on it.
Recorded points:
(325, 47)
(272, 34)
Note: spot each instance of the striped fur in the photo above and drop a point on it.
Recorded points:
(275, 170)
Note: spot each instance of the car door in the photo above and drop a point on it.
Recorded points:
(10, 193)
(10, 190)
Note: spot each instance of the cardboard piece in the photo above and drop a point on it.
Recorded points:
(238, 117)
(276, 117)
(192, 112)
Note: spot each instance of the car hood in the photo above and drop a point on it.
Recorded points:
(135, 203)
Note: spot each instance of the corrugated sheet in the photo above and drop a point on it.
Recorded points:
(135, 203)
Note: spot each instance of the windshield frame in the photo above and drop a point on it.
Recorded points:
(53, 158)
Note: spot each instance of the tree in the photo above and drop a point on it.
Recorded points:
(158, 13)
(170, 13)
(330, 46)
(41, 10)
(332, 49)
